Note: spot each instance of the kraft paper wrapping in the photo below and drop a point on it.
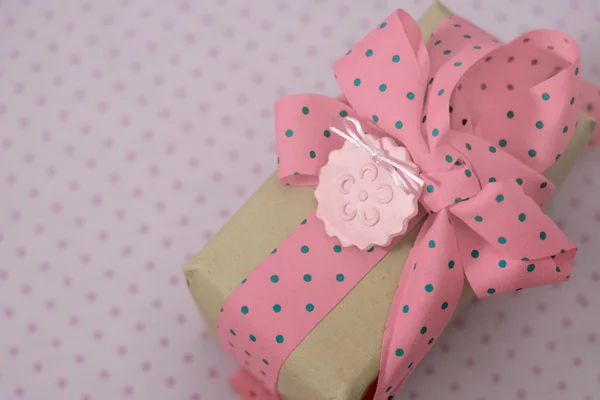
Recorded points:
(339, 359)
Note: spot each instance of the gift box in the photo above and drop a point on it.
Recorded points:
(342, 355)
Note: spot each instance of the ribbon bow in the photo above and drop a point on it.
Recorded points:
(482, 120)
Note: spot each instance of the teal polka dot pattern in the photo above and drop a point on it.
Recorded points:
(305, 110)
(398, 122)
(399, 352)
(522, 217)
(312, 154)
(289, 133)
(274, 278)
(252, 338)
(539, 125)
(279, 339)
(531, 268)
(244, 310)
(545, 96)
(543, 235)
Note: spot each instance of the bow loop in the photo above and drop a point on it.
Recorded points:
(507, 242)
(384, 77)
(491, 163)
(303, 135)
(523, 96)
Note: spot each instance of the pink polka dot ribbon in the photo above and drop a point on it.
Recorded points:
(482, 120)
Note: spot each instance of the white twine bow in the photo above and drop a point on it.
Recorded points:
(402, 175)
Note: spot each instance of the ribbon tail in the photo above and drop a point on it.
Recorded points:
(429, 290)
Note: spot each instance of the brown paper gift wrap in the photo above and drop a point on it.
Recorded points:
(339, 359)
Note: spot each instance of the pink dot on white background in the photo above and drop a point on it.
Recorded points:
(131, 131)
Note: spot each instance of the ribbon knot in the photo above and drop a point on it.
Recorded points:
(401, 173)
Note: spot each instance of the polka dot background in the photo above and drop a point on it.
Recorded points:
(131, 130)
